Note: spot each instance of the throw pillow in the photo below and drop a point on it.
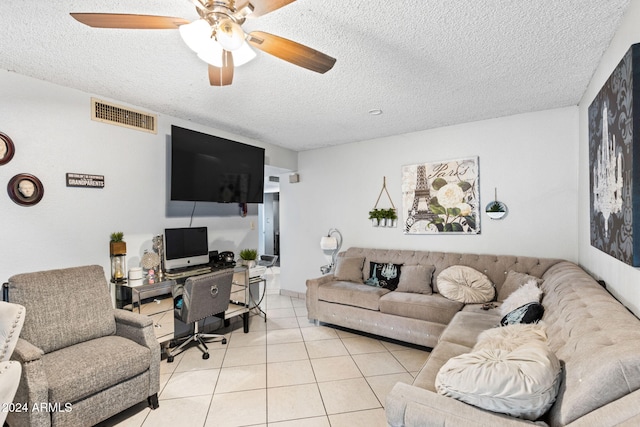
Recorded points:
(465, 284)
(416, 279)
(521, 383)
(349, 269)
(513, 281)
(384, 275)
(511, 337)
(529, 292)
(528, 313)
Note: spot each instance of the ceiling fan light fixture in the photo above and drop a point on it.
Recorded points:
(196, 34)
(229, 34)
(213, 54)
(243, 55)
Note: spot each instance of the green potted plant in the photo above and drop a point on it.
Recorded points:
(375, 215)
(116, 245)
(249, 257)
(391, 216)
(496, 210)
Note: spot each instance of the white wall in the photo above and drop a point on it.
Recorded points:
(53, 134)
(622, 280)
(529, 158)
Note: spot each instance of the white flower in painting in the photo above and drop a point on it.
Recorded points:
(450, 196)
(465, 209)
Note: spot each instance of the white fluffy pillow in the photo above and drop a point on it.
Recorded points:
(521, 383)
(465, 284)
(511, 337)
(529, 292)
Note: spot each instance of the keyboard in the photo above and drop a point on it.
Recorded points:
(187, 273)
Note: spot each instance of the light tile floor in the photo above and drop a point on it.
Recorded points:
(286, 372)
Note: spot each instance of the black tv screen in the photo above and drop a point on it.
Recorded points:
(207, 168)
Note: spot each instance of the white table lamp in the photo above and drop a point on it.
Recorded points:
(331, 242)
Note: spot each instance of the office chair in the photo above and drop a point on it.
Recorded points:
(203, 296)
(268, 260)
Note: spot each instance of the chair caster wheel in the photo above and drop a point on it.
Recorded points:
(224, 341)
(169, 359)
(205, 356)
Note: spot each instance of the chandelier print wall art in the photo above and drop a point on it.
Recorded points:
(441, 197)
(614, 182)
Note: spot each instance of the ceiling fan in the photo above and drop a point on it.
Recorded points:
(217, 37)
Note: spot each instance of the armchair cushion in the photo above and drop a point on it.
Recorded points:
(77, 372)
(66, 306)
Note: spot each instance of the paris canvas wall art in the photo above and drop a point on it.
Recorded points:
(614, 162)
(441, 197)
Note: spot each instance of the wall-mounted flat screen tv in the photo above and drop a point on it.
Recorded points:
(207, 168)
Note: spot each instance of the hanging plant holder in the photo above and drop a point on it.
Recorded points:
(384, 217)
(496, 209)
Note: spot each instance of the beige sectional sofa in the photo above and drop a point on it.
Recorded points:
(595, 338)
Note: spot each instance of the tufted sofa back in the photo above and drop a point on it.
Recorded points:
(495, 267)
(595, 337)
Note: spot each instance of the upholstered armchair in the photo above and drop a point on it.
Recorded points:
(11, 320)
(82, 361)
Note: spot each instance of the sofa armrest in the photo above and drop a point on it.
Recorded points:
(312, 294)
(26, 352)
(129, 318)
(411, 406)
(33, 388)
(136, 327)
(139, 328)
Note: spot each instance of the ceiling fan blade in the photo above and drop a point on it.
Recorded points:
(262, 7)
(291, 51)
(120, 20)
(222, 76)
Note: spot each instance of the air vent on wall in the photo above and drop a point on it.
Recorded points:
(106, 112)
(274, 179)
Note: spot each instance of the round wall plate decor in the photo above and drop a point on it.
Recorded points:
(6, 148)
(25, 189)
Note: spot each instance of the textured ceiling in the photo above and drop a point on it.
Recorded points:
(424, 63)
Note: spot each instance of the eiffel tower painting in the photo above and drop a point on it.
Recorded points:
(441, 197)
(420, 207)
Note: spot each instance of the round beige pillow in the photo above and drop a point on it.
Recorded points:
(522, 383)
(465, 284)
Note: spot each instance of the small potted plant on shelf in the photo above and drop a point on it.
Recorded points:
(248, 257)
(117, 246)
